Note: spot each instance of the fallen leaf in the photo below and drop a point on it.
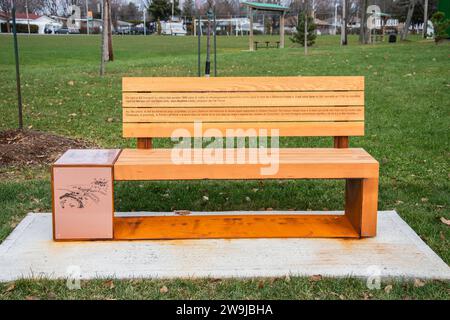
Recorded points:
(260, 284)
(31, 298)
(418, 283)
(315, 278)
(287, 278)
(367, 296)
(247, 199)
(109, 284)
(445, 221)
(51, 296)
(388, 288)
(205, 198)
(110, 119)
(182, 212)
(163, 289)
(11, 287)
(424, 199)
(71, 83)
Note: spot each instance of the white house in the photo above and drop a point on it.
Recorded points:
(32, 19)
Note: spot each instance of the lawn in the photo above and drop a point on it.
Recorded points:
(407, 130)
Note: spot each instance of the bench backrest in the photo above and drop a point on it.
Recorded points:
(297, 106)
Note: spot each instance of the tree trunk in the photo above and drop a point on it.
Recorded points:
(412, 4)
(363, 37)
(425, 19)
(208, 49)
(344, 23)
(104, 47)
(110, 47)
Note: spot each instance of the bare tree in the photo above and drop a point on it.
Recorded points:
(106, 34)
(6, 7)
(363, 31)
(344, 23)
(412, 4)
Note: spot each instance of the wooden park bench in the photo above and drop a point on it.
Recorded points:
(159, 107)
(276, 45)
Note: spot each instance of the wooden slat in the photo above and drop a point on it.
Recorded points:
(325, 163)
(252, 84)
(286, 129)
(239, 114)
(242, 99)
(232, 226)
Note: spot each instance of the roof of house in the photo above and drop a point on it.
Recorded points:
(31, 16)
(265, 6)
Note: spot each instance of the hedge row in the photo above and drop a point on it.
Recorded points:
(21, 28)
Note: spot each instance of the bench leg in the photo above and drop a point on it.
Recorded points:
(361, 205)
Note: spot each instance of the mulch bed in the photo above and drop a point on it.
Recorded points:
(28, 147)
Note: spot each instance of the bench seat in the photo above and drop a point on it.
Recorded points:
(294, 163)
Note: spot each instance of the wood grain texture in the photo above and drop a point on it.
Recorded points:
(241, 84)
(240, 114)
(242, 99)
(233, 226)
(296, 106)
(286, 129)
(361, 205)
(320, 163)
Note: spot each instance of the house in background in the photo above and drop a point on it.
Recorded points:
(40, 21)
(24, 19)
(3, 21)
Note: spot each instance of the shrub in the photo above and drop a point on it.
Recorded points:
(299, 35)
(21, 28)
(440, 24)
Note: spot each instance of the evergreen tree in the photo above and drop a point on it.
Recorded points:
(299, 35)
(440, 24)
(162, 9)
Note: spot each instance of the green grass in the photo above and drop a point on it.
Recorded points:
(407, 130)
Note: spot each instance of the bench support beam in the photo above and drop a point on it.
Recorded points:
(341, 142)
(361, 205)
(144, 143)
(213, 226)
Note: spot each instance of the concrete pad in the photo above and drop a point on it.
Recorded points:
(397, 251)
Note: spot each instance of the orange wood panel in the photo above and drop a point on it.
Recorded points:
(286, 129)
(232, 226)
(369, 207)
(240, 114)
(244, 84)
(242, 99)
(361, 205)
(159, 164)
